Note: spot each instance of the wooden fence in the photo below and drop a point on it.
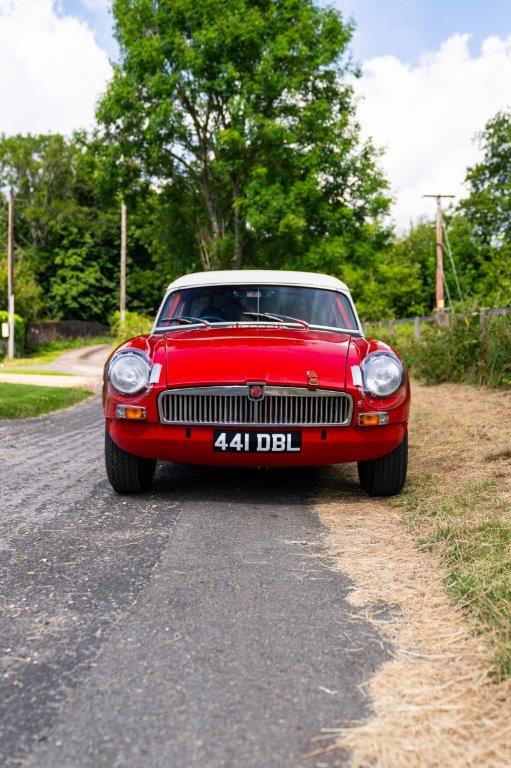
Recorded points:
(446, 320)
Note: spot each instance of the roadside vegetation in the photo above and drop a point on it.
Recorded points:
(134, 325)
(467, 351)
(430, 570)
(268, 169)
(21, 401)
(458, 502)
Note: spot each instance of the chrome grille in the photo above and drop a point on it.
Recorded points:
(281, 406)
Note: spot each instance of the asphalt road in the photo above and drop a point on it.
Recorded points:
(197, 626)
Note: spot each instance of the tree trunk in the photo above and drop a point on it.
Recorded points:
(239, 228)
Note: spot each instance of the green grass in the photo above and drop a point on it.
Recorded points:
(470, 528)
(20, 401)
(35, 370)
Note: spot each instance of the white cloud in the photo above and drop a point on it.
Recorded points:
(51, 69)
(425, 116)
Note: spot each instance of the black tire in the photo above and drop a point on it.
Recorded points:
(385, 476)
(127, 473)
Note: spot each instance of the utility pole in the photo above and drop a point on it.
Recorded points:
(122, 301)
(439, 287)
(10, 275)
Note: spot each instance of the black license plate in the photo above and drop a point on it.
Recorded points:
(233, 441)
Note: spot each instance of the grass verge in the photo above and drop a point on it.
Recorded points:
(20, 401)
(431, 571)
(458, 503)
(35, 371)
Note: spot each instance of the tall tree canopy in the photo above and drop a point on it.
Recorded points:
(243, 108)
(487, 210)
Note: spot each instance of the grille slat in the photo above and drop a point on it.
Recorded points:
(286, 406)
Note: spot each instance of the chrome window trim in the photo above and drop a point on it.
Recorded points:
(253, 324)
(270, 390)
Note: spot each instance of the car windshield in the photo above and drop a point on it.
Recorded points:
(258, 304)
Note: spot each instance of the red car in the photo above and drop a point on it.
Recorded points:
(256, 369)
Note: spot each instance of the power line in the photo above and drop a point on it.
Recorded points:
(453, 265)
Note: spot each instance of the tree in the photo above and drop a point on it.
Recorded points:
(67, 230)
(487, 209)
(244, 110)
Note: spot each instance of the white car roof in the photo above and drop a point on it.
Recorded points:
(258, 276)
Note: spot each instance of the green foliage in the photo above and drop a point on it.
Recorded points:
(67, 231)
(244, 113)
(461, 352)
(229, 129)
(19, 334)
(449, 354)
(134, 325)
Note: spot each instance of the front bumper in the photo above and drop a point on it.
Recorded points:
(194, 445)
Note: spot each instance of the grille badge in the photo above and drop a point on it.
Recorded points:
(255, 392)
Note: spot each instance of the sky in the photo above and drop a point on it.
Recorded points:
(434, 71)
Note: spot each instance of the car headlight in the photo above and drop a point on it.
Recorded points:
(129, 373)
(383, 374)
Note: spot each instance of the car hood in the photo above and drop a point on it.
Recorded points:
(207, 357)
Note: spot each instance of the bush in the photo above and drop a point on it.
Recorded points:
(461, 352)
(451, 353)
(19, 334)
(134, 325)
(496, 352)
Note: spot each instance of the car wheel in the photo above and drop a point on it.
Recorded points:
(385, 476)
(127, 473)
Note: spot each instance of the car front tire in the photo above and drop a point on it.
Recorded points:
(127, 473)
(385, 476)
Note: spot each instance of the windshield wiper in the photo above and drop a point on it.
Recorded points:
(279, 318)
(187, 321)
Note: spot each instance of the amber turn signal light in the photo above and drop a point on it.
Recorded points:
(375, 419)
(133, 412)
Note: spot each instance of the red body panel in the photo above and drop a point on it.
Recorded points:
(278, 357)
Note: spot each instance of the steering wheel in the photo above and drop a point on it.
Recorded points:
(212, 319)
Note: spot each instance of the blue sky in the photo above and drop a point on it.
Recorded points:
(97, 15)
(405, 28)
(408, 28)
(435, 71)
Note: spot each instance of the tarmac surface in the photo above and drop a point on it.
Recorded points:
(196, 626)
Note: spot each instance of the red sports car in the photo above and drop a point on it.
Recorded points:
(256, 369)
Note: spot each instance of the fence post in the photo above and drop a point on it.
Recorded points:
(483, 324)
(417, 328)
(390, 327)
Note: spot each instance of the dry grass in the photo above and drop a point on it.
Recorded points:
(437, 702)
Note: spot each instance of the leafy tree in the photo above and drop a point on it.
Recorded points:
(241, 112)
(66, 228)
(487, 209)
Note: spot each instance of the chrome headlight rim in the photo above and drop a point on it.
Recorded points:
(389, 356)
(122, 355)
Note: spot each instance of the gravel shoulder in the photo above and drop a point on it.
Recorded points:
(198, 625)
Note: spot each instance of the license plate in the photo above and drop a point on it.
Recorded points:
(230, 440)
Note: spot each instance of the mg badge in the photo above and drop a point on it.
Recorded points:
(256, 392)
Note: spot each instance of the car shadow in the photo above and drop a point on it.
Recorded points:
(302, 486)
